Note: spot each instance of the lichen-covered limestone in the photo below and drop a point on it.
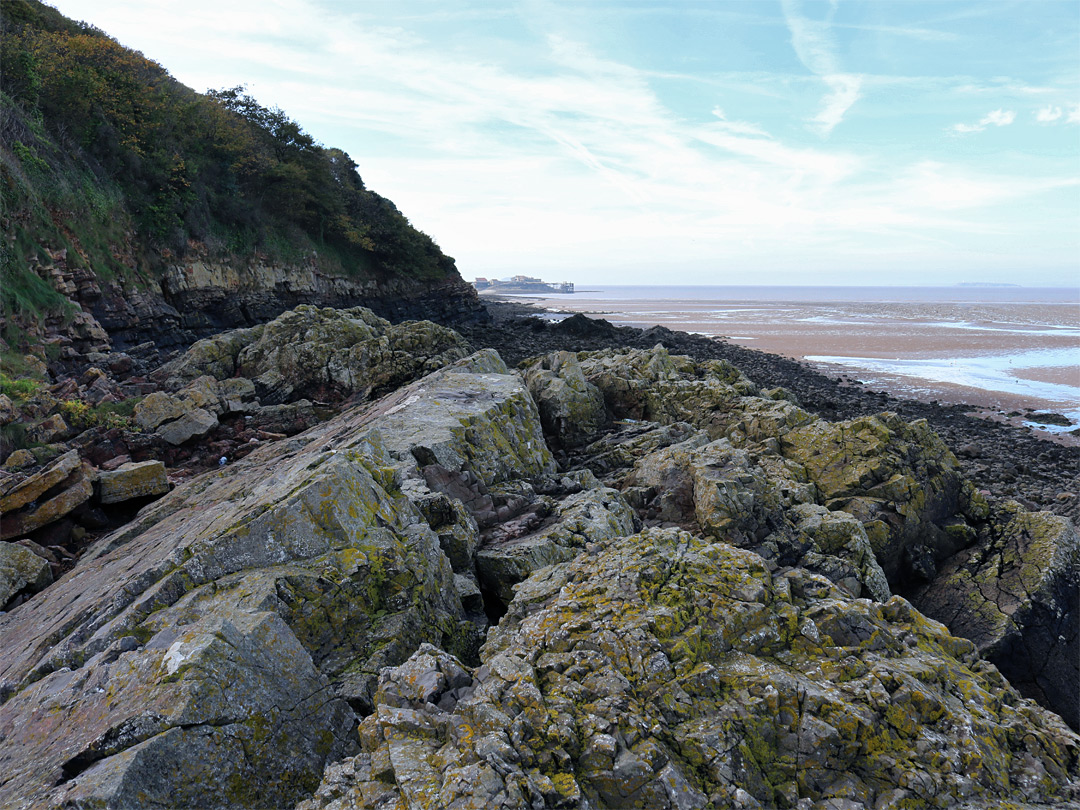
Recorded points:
(322, 353)
(593, 516)
(669, 671)
(571, 408)
(897, 477)
(1015, 594)
(758, 500)
(21, 571)
(214, 656)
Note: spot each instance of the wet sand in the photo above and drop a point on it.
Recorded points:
(999, 358)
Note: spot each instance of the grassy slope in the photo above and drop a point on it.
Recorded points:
(104, 154)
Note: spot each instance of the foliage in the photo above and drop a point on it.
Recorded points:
(101, 146)
(18, 388)
(81, 415)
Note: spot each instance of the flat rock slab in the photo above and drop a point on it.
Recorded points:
(136, 479)
(74, 490)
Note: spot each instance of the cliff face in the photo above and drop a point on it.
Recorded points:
(136, 210)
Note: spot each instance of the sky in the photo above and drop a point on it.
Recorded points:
(878, 142)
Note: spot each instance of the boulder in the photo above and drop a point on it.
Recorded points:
(156, 409)
(669, 671)
(19, 460)
(656, 386)
(192, 424)
(571, 408)
(21, 572)
(8, 412)
(322, 354)
(73, 491)
(18, 491)
(50, 429)
(1015, 595)
(135, 479)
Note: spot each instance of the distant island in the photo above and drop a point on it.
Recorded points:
(523, 284)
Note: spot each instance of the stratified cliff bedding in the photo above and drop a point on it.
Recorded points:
(697, 606)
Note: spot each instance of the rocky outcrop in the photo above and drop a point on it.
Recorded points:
(202, 296)
(311, 573)
(743, 650)
(593, 516)
(316, 353)
(899, 479)
(1015, 595)
(668, 671)
(44, 497)
(571, 408)
(134, 479)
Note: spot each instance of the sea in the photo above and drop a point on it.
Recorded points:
(1010, 352)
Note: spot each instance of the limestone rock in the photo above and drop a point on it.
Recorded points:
(51, 429)
(17, 492)
(655, 386)
(592, 516)
(756, 500)
(73, 491)
(320, 353)
(215, 356)
(19, 460)
(610, 457)
(898, 478)
(157, 408)
(8, 412)
(214, 656)
(192, 424)
(21, 571)
(135, 479)
(237, 395)
(571, 408)
(667, 671)
(1015, 595)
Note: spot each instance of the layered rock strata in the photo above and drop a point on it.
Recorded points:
(213, 655)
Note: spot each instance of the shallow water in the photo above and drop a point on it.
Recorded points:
(1006, 348)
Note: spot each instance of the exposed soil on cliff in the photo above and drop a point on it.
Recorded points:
(1006, 460)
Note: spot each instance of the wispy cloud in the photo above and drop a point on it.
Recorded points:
(816, 49)
(1048, 114)
(548, 151)
(996, 118)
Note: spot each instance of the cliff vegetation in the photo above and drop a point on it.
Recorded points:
(107, 157)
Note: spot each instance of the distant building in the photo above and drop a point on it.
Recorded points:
(523, 284)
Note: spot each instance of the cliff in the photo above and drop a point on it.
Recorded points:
(136, 210)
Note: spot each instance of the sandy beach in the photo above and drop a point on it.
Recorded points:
(999, 357)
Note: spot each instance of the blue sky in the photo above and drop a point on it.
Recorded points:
(677, 141)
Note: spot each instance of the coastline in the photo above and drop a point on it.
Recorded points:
(902, 354)
(995, 451)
